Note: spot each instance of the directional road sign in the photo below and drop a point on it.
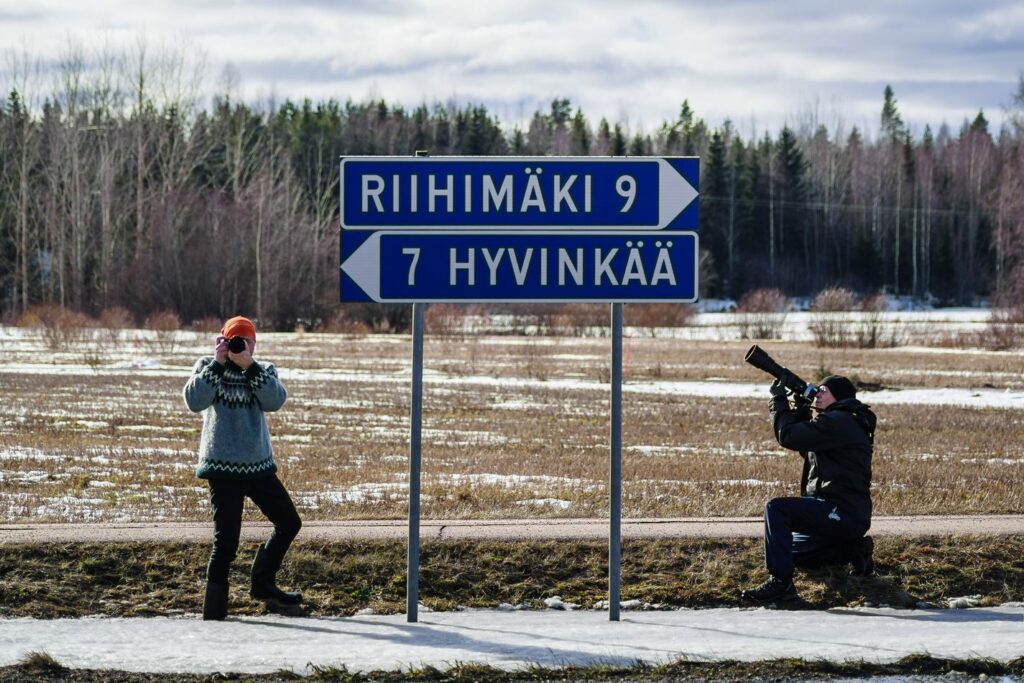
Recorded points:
(519, 229)
(458, 266)
(488, 193)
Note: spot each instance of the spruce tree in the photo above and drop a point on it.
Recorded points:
(618, 141)
(713, 215)
(580, 134)
(891, 122)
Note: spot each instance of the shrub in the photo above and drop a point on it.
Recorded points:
(581, 320)
(444, 319)
(828, 327)
(652, 316)
(872, 332)
(832, 324)
(59, 327)
(116, 318)
(206, 325)
(761, 314)
(1004, 329)
(342, 321)
(113, 320)
(165, 325)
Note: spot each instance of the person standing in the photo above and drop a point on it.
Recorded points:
(828, 523)
(233, 392)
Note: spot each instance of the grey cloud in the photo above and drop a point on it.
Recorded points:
(381, 7)
(21, 15)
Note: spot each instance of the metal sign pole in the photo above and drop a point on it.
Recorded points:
(615, 517)
(412, 589)
(412, 579)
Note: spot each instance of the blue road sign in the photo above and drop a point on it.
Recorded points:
(413, 266)
(534, 193)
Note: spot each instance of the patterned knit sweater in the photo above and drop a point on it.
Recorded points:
(235, 443)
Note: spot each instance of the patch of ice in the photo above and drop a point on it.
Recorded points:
(556, 602)
(512, 480)
(964, 602)
(546, 502)
(24, 453)
(29, 477)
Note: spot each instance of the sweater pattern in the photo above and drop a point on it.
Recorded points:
(235, 441)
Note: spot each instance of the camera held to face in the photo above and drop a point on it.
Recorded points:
(236, 344)
(760, 359)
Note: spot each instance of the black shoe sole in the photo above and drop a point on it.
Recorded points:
(297, 600)
(284, 610)
(782, 599)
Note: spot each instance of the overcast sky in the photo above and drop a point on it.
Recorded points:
(757, 62)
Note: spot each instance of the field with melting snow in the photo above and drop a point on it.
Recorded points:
(94, 428)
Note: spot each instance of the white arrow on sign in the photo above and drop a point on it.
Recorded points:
(674, 193)
(363, 266)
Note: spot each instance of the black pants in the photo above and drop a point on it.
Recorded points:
(806, 532)
(227, 497)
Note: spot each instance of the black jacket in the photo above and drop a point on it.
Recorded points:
(836, 446)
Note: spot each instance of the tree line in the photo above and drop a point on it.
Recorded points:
(121, 188)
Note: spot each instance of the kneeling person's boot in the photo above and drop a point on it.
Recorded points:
(772, 590)
(862, 558)
(264, 577)
(215, 603)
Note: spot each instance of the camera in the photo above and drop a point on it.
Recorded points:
(236, 344)
(760, 359)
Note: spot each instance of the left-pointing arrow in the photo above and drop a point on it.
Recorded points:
(363, 266)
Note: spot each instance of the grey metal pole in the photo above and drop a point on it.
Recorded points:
(615, 478)
(412, 586)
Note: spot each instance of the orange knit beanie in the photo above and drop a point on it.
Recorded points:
(239, 326)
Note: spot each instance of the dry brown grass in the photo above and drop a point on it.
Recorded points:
(513, 427)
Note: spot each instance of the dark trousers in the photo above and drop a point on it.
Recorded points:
(227, 497)
(806, 532)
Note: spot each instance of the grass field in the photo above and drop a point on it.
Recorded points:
(140, 579)
(94, 427)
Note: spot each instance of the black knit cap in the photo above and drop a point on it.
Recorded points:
(840, 387)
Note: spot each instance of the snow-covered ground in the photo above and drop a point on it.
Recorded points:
(515, 639)
(971, 398)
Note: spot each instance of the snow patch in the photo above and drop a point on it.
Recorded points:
(513, 639)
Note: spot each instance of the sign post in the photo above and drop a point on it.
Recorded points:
(519, 229)
(412, 580)
(615, 470)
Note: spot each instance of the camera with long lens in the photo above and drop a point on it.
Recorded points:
(236, 344)
(760, 359)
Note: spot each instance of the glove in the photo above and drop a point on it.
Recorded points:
(778, 389)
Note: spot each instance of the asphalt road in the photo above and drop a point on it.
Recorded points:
(514, 529)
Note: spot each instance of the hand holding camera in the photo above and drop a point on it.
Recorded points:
(785, 379)
(220, 353)
(239, 352)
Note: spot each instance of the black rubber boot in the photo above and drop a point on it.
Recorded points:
(264, 576)
(215, 604)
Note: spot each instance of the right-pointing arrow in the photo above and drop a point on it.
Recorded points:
(363, 266)
(675, 193)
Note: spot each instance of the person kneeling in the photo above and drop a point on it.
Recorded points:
(828, 523)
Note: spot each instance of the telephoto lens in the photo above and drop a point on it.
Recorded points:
(236, 344)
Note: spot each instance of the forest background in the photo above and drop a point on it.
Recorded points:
(127, 193)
